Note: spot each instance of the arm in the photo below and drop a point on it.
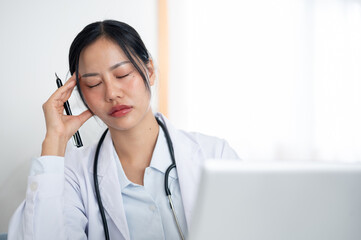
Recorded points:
(40, 215)
(43, 214)
(51, 209)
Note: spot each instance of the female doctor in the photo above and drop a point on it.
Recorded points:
(113, 71)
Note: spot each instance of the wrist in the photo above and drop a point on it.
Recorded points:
(54, 146)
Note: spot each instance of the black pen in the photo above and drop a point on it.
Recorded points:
(76, 136)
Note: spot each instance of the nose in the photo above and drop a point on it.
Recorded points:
(112, 90)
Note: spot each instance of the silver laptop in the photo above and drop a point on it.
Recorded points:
(278, 201)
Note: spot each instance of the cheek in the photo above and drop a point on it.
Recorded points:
(137, 86)
(91, 98)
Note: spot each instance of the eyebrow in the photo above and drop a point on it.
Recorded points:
(111, 68)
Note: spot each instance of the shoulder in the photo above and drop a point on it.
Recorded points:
(211, 146)
(201, 139)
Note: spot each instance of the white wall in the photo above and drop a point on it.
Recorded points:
(280, 80)
(34, 43)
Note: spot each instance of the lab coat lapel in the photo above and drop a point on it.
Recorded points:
(189, 159)
(110, 189)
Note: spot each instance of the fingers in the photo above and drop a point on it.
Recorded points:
(72, 81)
(63, 93)
(84, 116)
(55, 103)
(73, 123)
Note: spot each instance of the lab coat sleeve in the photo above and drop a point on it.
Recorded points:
(41, 215)
(76, 221)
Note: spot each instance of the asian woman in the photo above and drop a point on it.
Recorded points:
(140, 156)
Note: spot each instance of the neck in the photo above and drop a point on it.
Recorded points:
(135, 146)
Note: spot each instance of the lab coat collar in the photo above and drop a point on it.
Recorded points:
(160, 161)
(161, 158)
(188, 157)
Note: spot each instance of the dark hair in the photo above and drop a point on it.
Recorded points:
(121, 33)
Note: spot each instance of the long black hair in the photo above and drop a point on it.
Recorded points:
(121, 33)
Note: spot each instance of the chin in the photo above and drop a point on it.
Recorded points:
(122, 123)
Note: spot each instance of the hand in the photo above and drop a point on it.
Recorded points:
(60, 127)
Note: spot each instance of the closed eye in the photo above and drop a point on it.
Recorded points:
(123, 76)
(95, 85)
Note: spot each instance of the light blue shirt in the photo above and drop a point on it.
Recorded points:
(147, 209)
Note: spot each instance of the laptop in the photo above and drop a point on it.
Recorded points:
(278, 201)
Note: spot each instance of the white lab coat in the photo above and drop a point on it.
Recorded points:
(64, 206)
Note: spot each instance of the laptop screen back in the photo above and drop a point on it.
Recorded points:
(274, 201)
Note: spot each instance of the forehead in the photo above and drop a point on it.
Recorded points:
(101, 52)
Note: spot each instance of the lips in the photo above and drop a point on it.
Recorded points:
(120, 110)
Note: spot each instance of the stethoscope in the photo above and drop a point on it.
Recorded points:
(167, 191)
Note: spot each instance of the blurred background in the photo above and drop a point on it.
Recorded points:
(280, 80)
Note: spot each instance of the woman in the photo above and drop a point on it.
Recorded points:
(113, 71)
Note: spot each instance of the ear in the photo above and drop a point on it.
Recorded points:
(151, 72)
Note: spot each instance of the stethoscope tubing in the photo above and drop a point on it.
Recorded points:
(96, 185)
(171, 152)
(166, 176)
